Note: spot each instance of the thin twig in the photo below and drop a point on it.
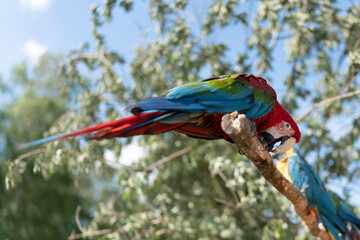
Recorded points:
(232, 190)
(77, 219)
(327, 101)
(168, 158)
(158, 163)
(351, 76)
(255, 213)
(275, 36)
(224, 202)
(65, 114)
(98, 56)
(140, 32)
(29, 154)
(90, 234)
(107, 231)
(161, 232)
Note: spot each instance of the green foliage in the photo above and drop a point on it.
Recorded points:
(42, 206)
(39, 208)
(209, 192)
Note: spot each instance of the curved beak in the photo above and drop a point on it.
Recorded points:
(286, 143)
(277, 145)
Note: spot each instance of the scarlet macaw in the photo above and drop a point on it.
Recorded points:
(347, 215)
(196, 109)
(304, 178)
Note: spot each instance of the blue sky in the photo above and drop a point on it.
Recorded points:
(31, 27)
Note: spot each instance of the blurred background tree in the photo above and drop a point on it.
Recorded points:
(42, 206)
(186, 188)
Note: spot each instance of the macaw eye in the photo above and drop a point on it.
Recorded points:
(287, 125)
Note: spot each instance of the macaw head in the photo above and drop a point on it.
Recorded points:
(282, 132)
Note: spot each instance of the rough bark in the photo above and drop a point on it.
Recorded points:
(238, 127)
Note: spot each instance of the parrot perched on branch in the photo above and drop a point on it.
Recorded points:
(196, 109)
(304, 178)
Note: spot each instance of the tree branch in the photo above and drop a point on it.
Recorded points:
(238, 127)
(327, 101)
(77, 218)
(108, 231)
(168, 158)
(90, 234)
(97, 57)
(231, 189)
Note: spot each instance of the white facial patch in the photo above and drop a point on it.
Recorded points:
(284, 128)
(274, 132)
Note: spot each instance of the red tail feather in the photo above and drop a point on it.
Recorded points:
(100, 131)
(153, 128)
(143, 123)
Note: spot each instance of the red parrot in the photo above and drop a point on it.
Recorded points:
(196, 109)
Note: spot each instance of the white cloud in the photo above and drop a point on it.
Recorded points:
(34, 50)
(35, 5)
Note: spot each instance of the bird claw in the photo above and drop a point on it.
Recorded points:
(263, 142)
(253, 127)
(240, 152)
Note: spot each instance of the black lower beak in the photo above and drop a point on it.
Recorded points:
(270, 141)
(267, 141)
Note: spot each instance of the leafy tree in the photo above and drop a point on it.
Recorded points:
(43, 205)
(205, 189)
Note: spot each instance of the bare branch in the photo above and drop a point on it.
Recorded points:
(77, 219)
(97, 57)
(89, 234)
(224, 202)
(327, 101)
(168, 158)
(66, 114)
(275, 35)
(232, 190)
(158, 163)
(161, 232)
(237, 206)
(31, 153)
(238, 127)
(107, 231)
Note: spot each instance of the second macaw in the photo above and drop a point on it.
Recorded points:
(196, 109)
(304, 178)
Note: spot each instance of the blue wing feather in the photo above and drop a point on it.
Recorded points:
(216, 95)
(232, 91)
(196, 105)
(263, 111)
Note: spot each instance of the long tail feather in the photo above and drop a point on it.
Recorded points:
(123, 127)
(149, 127)
(350, 219)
